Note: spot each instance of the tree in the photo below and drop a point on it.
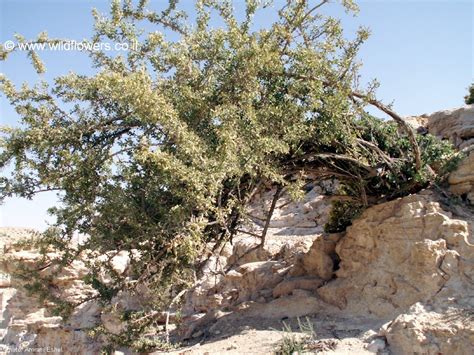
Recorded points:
(469, 99)
(161, 150)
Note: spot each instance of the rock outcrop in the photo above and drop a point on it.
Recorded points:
(397, 256)
(406, 262)
(399, 253)
(457, 125)
(27, 323)
(245, 272)
(461, 180)
(433, 329)
(410, 260)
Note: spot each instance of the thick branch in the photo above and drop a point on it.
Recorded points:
(340, 157)
(385, 157)
(247, 232)
(400, 121)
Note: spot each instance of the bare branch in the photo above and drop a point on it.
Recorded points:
(247, 232)
(385, 157)
(400, 121)
(270, 214)
(341, 157)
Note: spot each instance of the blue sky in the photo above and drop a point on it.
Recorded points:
(420, 51)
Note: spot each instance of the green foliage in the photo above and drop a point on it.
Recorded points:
(106, 292)
(138, 336)
(438, 155)
(395, 175)
(290, 345)
(341, 216)
(144, 344)
(293, 344)
(469, 98)
(37, 285)
(161, 149)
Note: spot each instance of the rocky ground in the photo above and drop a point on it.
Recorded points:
(243, 335)
(400, 280)
(404, 282)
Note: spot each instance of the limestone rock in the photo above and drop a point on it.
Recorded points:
(237, 286)
(418, 123)
(296, 218)
(432, 330)
(289, 306)
(245, 249)
(392, 257)
(457, 125)
(287, 286)
(26, 322)
(462, 179)
(320, 259)
(376, 345)
(246, 272)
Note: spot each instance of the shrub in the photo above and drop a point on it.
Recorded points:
(162, 148)
(469, 98)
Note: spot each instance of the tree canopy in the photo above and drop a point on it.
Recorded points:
(161, 150)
